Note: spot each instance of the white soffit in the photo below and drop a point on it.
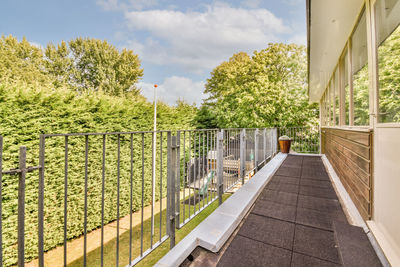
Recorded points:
(331, 23)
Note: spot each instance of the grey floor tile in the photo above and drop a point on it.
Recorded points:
(247, 252)
(316, 203)
(300, 260)
(354, 246)
(286, 179)
(314, 173)
(283, 187)
(316, 183)
(268, 230)
(319, 219)
(279, 197)
(275, 210)
(316, 243)
(318, 192)
(289, 171)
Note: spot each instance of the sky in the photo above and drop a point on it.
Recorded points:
(179, 42)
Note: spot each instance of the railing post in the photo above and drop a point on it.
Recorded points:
(178, 179)
(256, 150)
(220, 165)
(171, 167)
(21, 206)
(242, 154)
(275, 140)
(1, 198)
(265, 143)
(42, 147)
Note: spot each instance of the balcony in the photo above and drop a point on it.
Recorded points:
(282, 210)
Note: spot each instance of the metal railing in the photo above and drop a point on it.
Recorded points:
(88, 181)
(304, 139)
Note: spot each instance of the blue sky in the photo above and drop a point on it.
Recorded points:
(178, 42)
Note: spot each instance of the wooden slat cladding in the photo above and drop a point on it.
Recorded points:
(350, 153)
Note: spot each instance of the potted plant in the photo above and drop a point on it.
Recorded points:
(284, 143)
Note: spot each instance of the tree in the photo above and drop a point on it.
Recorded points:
(82, 64)
(94, 65)
(21, 62)
(205, 118)
(265, 90)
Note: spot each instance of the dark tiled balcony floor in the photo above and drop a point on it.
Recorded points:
(294, 223)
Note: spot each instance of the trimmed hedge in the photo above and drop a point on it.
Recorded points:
(25, 113)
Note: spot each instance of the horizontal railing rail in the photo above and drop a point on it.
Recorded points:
(130, 189)
(304, 139)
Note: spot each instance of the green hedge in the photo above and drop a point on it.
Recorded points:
(25, 113)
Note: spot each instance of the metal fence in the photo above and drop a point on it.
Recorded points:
(144, 184)
(304, 139)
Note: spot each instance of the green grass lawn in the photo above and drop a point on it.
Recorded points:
(93, 258)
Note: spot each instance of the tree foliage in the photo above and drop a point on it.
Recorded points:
(82, 64)
(389, 78)
(264, 90)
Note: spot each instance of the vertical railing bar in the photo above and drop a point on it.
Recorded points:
(184, 176)
(161, 178)
(207, 164)
(65, 198)
(214, 163)
(189, 171)
(168, 211)
(1, 198)
(153, 179)
(103, 175)
(141, 219)
(21, 206)
(220, 171)
(131, 200)
(118, 196)
(173, 174)
(199, 173)
(42, 146)
(204, 165)
(85, 204)
(178, 177)
(194, 172)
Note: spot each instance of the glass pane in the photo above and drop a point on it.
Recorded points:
(388, 36)
(360, 73)
(345, 84)
(331, 115)
(347, 104)
(337, 91)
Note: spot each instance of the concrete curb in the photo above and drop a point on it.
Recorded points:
(216, 229)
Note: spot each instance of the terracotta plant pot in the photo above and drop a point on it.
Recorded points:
(285, 145)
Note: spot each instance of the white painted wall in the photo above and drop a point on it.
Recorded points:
(386, 216)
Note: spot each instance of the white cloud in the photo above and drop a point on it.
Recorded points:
(126, 4)
(251, 3)
(199, 41)
(298, 39)
(175, 88)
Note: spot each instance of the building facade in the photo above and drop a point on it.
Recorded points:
(354, 73)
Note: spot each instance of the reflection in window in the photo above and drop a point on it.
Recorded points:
(388, 40)
(337, 90)
(345, 84)
(359, 70)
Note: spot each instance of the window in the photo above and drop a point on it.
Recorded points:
(330, 105)
(344, 67)
(337, 91)
(359, 57)
(388, 42)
